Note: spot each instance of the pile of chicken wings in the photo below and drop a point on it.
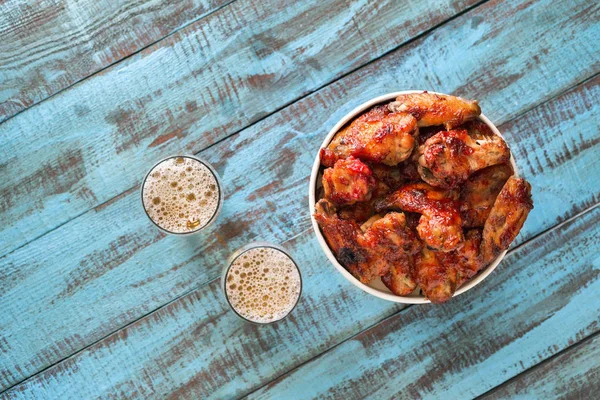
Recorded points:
(420, 192)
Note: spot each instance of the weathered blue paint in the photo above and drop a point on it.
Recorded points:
(541, 299)
(48, 45)
(545, 295)
(108, 267)
(573, 374)
(112, 270)
(196, 346)
(183, 94)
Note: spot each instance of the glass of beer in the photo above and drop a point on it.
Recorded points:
(261, 283)
(182, 195)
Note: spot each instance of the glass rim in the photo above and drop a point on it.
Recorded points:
(247, 247)
(219, 201)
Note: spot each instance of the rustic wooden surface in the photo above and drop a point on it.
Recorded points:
(94, 302)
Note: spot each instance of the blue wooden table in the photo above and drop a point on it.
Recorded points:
(96, 303)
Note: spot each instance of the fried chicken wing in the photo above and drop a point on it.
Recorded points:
(438, 280)
(478, 193)
(441, 229)
(393, 244)
(348, 181)
(450, 157)
(384, 244)
(400, 280)
(432, 158)
(441, 274)
(436, 109)
(506, 218)
(440, 223)
(468, 259)
(343, 237)
(378, 136)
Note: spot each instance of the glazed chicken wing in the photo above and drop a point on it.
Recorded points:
(506, 219)
(378, 136)
(400, 279)
(440, 223)
(478, 193)
(450, 157)
(438, 280)
(436, 109)
(392, 243)
(348, 181)
(367, 255)
(468, 259)
(440, 274)
(343, 237)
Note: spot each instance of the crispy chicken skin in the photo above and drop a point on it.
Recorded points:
(506, 218)
(440, 274)
(348, 181)
(370, 254)
(436, 109)
(393, 244)
(437, 279)
(400, 280)
(450, 157)
(478, 193)
(378, 136)
(427, 132)
(342, 236)
(440, 223)
(420, 193)
(467, 259)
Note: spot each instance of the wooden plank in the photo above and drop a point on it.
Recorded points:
(541, 299)
(195, 347)
(183, 94)
(573, 374)
(48, 45)
(572, 120)
(114, 258)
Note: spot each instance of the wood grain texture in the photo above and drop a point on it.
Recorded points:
(126, 269)
(48, 45)
(183, 94)
(195, 347)
(573, 374)
(541, 299)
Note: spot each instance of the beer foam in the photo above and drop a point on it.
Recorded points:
(181, 195)
(263, 285)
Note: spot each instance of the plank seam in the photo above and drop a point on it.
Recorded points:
(287, 240)
(118, 61)
(275, 111)
(110, 334)
(100, 205)
(206, 283)
(256, 122)
(545, 232)
(567, 349)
